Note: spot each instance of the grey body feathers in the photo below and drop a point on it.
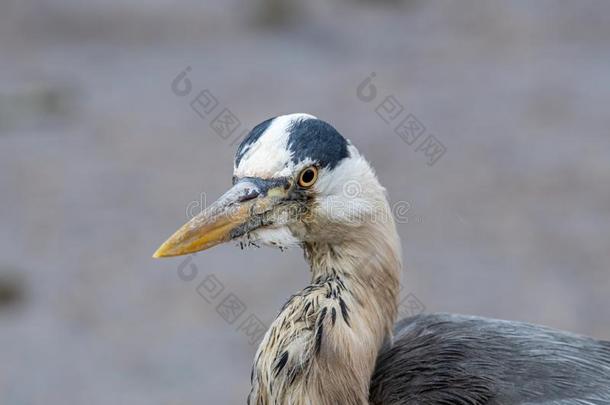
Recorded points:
(455, 359)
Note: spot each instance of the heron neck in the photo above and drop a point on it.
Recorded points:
(369, 264)
(364, 272)
(322, 347)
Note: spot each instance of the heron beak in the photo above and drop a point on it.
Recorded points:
(237, 212)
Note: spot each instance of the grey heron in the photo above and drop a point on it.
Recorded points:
(335, 342)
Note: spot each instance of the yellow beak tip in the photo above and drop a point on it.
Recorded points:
(161, 252)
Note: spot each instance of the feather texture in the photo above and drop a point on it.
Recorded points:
(456, 359)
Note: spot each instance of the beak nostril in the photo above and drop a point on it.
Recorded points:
(249, 195)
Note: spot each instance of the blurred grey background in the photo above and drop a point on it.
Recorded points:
(99, 160)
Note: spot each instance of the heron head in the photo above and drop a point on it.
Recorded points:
(295, 180)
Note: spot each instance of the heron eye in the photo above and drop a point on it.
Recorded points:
(308, 177)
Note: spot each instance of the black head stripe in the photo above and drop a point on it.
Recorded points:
(309, 138)
(252, 137)
(316, 140)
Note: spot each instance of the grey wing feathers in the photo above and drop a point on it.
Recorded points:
(455, 359)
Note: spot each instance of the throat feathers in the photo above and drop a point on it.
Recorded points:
(322, 347)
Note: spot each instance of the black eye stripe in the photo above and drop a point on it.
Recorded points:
(250, 195)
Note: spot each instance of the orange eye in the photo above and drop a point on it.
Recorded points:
(308, 177)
